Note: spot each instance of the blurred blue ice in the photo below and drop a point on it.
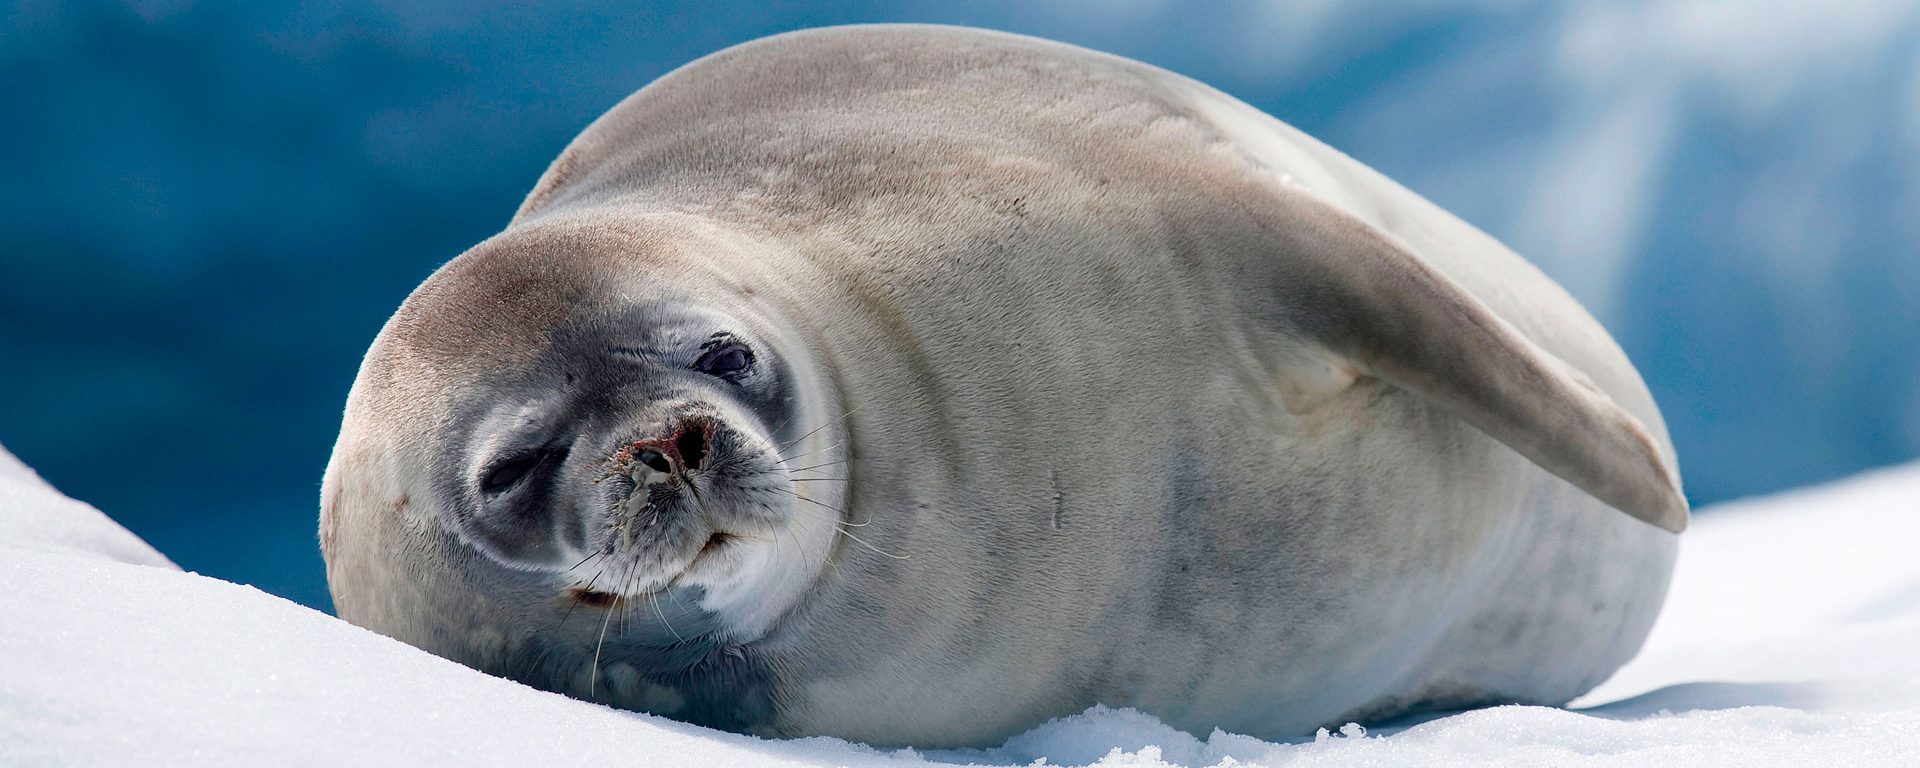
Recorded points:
(208, 208)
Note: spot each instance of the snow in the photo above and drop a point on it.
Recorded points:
(34, 516)
(1792, 637)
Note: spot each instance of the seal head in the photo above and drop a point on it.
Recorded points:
(595, 457)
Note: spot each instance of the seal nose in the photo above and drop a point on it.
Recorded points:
(684, 449)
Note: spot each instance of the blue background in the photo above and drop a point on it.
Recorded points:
(208, 208)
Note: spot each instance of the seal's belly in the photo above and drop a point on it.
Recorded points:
(1287, 573)
(1322, 584)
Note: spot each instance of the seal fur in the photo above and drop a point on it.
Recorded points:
(1134, 396)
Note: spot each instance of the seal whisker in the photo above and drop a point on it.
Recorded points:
(534, 662)
(869, 545)
(740, 460)
(823, 425)
(593, 672)
(783, 423)
(583, 561)
(596, 578)
(655, 599)
(799, 456)
(836, 510)
(588, 588)
(786, 575)
(840, 515)
(629, 608)
(674, 595)
(817, 466)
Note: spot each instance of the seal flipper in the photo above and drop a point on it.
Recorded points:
(1352, 289)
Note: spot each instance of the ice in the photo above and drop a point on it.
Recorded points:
(1792, 637)
(35, 516)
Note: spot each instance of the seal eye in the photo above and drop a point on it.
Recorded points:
(507, 474)
(727, 360)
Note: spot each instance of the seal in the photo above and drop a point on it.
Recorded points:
(915, 385)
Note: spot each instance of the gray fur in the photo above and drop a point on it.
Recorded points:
(1136, 396)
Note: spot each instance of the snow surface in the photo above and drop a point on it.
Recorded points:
(1792, 637)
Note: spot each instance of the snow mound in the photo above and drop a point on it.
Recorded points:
(1792, 637)
(34, 516)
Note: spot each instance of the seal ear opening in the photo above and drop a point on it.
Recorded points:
(1350, 288)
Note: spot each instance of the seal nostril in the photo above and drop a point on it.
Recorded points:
(654, 459)
(692, 445)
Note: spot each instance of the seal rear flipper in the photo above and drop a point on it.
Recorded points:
(1348, 287)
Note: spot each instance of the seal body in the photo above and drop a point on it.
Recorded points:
(915, 385)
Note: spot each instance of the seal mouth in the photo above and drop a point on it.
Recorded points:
(714, 543)
(592, 598)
